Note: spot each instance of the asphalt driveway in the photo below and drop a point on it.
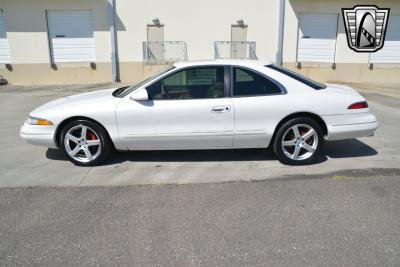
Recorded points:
(332, 220)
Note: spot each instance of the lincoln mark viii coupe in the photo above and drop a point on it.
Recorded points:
(223, 104)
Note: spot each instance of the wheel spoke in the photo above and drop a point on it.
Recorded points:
(296, 152)
(93, 142)
(297, 137)
(82, 143)
(74, 151)
(83, 133)
(308, 148)
(72, 138)
(296, 131)
(289, 143)
(89, 155)
(308, 134)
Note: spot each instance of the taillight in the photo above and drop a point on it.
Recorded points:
(358, 105)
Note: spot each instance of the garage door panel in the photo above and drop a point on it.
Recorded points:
(71, 36)
(318, 58)
(4, 46)
(317, 37)
(68, 52)
(314, 55)
(390, 53)
(324, 31)
(73, 41)
(317, 44)
(314, 51)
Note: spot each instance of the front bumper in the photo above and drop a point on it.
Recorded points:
(350, 126)
(40, 135)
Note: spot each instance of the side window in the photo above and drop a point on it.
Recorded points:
(248, 83)
(193, 83)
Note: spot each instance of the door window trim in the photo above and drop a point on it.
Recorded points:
(278, 84)
(227, 81)
(174, 71)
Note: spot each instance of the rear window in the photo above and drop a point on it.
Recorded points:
(248, 83)
(298, 77)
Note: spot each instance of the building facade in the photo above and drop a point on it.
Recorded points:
(58, 41)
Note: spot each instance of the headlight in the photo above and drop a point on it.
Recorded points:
(38, 121)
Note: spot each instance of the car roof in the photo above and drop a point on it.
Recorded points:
(238, 62)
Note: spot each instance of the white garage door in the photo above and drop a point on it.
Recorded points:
(317, 37)
(71, 36)
(4, 47)
(390, 53)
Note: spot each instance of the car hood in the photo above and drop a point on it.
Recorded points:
(75, 99)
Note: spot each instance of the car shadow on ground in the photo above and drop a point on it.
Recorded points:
(337, 149)
(348, 149)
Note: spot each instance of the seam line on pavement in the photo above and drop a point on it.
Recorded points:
(84, 177)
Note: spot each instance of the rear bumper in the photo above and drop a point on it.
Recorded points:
(39, 135)
(350, 126)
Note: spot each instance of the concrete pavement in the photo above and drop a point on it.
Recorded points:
(343, 211)
(24, 165)
(392, 90)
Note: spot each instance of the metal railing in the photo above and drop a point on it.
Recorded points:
(164, 52)
(235, 50)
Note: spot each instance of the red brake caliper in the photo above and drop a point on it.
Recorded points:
(91, 136)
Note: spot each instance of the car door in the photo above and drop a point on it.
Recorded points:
(187, 109)
(258, 101)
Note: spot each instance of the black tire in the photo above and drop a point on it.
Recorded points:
(286, 129)
(102, 150)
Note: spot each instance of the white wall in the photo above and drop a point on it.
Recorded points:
(27, 29)
(199, 23)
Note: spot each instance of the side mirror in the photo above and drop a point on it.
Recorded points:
(140, 95)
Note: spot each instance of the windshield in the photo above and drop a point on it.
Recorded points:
(298, 77)
(132, 88)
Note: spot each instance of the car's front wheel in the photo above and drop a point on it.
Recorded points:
(298, 141)
(85, 143)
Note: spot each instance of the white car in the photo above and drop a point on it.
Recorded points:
(221, 104)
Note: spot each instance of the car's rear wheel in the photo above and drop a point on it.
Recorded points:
(298, 141)
(85, 143)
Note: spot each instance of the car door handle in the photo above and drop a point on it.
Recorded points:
(221, 109)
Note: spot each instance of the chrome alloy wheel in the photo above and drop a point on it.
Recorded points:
(299, 142)
(82, 143)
